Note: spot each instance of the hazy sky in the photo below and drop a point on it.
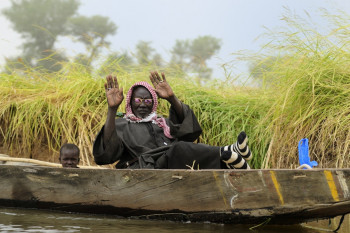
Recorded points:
(236, 22)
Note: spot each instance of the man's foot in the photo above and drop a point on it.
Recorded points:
(233, 159)
(241, 146)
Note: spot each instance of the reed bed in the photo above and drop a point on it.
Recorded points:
(309, 82)
(305, 94)
(41, 111)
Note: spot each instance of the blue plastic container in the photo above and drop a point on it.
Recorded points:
(303, 148)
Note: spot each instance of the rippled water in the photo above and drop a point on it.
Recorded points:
(27, 220)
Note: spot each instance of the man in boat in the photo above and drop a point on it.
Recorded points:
(69, 156)
(142, 139)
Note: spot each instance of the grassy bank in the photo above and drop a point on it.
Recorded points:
(39, 112)
(308, 77)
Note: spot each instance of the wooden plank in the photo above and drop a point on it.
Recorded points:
(233, 196)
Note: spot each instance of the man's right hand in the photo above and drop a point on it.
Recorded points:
(114, 94)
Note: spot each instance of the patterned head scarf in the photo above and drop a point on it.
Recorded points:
(130, 116)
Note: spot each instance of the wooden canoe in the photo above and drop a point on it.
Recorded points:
(221, 196)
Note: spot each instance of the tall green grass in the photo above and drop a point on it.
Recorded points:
(305, 92)
(309, 82)
(41, 111)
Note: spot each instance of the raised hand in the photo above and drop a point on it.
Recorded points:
(114, 94)
(161, 86)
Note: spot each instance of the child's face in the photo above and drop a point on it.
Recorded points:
(69, 159)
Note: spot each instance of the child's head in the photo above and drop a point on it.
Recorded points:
(69, 155)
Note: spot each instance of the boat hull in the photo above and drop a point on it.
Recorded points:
(222, 196)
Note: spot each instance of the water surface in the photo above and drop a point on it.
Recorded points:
(30, 220)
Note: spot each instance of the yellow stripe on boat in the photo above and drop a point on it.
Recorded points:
(220, 188)
(277, 186)
(331, 185)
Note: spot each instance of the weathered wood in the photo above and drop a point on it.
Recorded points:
(25, 161)
(227, 196)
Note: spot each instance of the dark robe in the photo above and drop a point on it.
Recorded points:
(144, 145)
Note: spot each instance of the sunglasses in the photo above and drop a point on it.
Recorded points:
(146, 101)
